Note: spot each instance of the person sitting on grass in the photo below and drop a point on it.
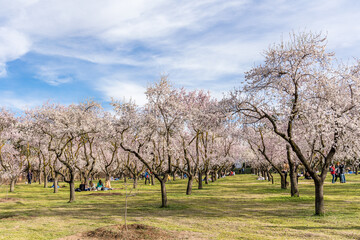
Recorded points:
(107, 185)
(100, 185)
(83, 186)
(54, 185)
(92, 186)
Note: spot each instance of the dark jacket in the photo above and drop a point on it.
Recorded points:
(342, 168)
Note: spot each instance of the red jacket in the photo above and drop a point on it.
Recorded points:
(332, 170)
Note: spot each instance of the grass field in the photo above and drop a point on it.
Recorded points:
(238, 207)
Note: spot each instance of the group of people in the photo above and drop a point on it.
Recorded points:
(92, 187)
(338, 171)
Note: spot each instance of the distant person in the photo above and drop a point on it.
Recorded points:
(82, 187)
(307, 175)
(100, 185)
(337, 171)
(54, 186)
(342, 173)
(92, 186)
(108, 185)
(29, 177)
(332, 171)
(147, 177)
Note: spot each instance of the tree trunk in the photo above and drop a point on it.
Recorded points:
(45, 182)
(200, 180)
(12, 184)
(72, 191)
(174, 176)
(283, 181)
(189, 185)
(135, 182)
(45, 178)
(319, 198)
(163, 194)
(293, 174)
(268, 175)
(294, 184)
(356, 170)
(206, 177)
(152, 179)
(87, 180)
(56, 183)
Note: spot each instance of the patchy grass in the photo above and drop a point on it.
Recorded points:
(238, 207)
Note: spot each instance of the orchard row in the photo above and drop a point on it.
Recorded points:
(300, 107)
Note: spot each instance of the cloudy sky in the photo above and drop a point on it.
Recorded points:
(69, 50)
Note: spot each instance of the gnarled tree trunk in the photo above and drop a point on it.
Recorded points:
(163, 194)
(293, 174)
(200, 180)
(12, 184)
(319, 198)
(135, 182)
(152, 179)
(56, 183)
(189, 185)
(283, 181)
(72, 191)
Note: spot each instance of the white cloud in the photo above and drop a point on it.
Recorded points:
(13, 44)
(196, 42)
(122, 89)
(53, 75)
(2, 69)
(10, 100)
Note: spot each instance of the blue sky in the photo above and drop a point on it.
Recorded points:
(69, 50)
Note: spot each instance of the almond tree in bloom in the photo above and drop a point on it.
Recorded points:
(267, 150)
(273, 150)
(68, 131)
(107, 150)
(11, 159)
(299, 86)
(41, 127)
(137, 135)
(196, 119)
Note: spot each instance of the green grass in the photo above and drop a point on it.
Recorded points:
(238, 207)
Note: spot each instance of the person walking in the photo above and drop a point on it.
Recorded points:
(337, 171)
(332, 171)
(342, 173)
(147, 177)
(29, 177)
